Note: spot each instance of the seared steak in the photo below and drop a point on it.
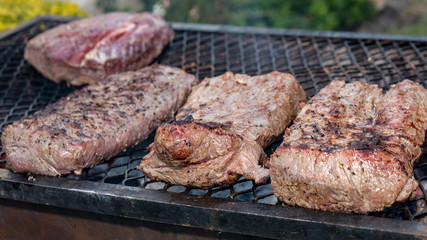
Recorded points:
(97, 122)
(220, 133)
(352, 148)
(87, 50)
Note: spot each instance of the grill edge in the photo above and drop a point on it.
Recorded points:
(314, 58)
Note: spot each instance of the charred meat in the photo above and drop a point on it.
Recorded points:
(97, 122)
(352, 148)
(220, 133)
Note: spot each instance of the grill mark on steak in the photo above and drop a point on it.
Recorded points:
(208, 125)
(92, 125)
(359, 158)
(87, 50)
(220, 133)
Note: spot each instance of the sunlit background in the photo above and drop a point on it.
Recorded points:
(379, 16)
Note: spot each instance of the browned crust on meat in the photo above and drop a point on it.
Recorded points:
(97, 122)
(340, 180)
(202, 155)
(352, 148)
(220, 133)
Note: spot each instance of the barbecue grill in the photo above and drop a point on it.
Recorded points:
(116, 193)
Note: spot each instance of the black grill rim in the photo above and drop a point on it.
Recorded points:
(199, 211)
(246, 218)
(295, 32)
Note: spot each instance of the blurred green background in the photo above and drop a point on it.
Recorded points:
(387, 16)
(306, 14)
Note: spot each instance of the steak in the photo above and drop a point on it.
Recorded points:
(352, 148)
(220, 133)
(87, 50)
(96, 122)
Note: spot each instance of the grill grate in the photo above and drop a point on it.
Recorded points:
(313, 60)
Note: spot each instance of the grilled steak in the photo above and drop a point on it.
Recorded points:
(352, 148)
(87, 50)
(97, 122)
(220, 133)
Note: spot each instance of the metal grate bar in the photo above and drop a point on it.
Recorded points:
(361, 74)
(422, 62)
(306, 67)
(408, 62)
(242, 56)
(319, 58)
(183, 50)
(257, 58)
(212, 54)
(385, 83)
(197, 55)
(227, 60)
(288, 60)
(336, 63)
(314, 60)
(219, 62)
(307, 83)
(271, 53)
(418, 52)
(386, 57)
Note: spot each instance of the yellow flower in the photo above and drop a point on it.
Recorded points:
(14, 12)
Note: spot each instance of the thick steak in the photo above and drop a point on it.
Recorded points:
(87, 50)
(352, 148)
(220, 133)
(97, 122)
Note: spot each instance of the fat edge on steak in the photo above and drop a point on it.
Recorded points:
(220, 133)
(352, 148)
(97, 122)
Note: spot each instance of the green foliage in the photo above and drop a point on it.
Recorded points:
(199, 11)
(306, 14)
(13, 12)
(418, 28)
(111, 6)
(107, 5)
